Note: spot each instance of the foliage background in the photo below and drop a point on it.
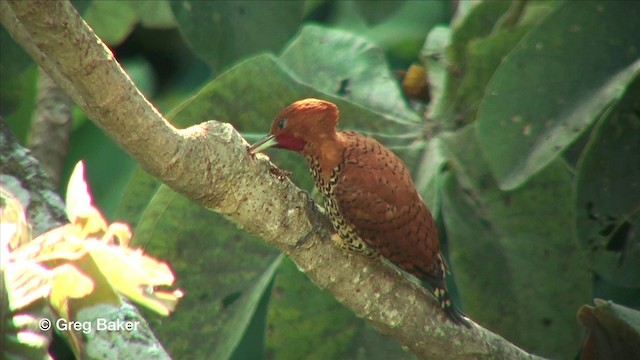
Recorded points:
(527, 153)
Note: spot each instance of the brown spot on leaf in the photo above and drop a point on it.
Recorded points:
(343, 87)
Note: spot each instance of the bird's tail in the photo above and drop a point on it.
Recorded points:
(437, 281)
(457, 316)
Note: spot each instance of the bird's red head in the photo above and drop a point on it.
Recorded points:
(308, 121)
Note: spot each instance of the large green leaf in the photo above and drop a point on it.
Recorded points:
(430, 173)
(114, 20)
(398, 27)
(155, 14)
(306, 322)
(136, 196)
(518, 267)
(558, 81)
(483, 57)
(223, 32)
(17, 85)
(250, 105)
(608, 195)
(253, 343)
(18, 94)
(222, 271)
(249, 320)
(345, 65)
(462, 59)
(13, 59)
(444, 56)
(374, 11)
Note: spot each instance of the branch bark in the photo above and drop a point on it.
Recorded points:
(208, 164)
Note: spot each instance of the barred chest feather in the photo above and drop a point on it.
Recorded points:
(347, 233)
(327, 189)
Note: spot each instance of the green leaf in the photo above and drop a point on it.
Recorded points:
(516, 262)
(430, 174)
(112, 20)
(18, 77)
(398, 27)
(373, 11)
(81, 5)
(438, 72)
(240, 322)
(604, 289)
(345, 65)
(141, 72)
(444, 55)
(223, 32)
(483, 57)
(608, 195)
(558, 81)
(18, 100)
(462, 59)
(155, 14)
(13, 60)
(222, 271)
(253, 343)
(306, 322)
(136, 196)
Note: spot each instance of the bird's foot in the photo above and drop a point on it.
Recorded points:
(335, 237)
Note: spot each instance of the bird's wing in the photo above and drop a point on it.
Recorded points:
(375, 194)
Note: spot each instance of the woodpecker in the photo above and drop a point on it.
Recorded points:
(368, 192)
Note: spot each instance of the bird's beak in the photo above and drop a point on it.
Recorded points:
(265, 143)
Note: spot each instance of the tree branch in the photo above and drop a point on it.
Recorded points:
(209, 164)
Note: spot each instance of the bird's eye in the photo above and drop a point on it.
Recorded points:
(282, 123)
